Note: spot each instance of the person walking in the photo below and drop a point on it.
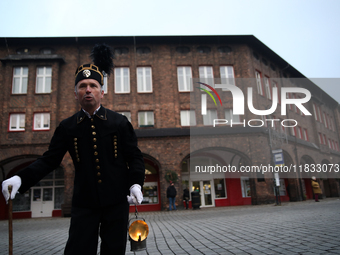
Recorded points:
(171, 195)
(108, 165)
(186, 198)
(316, 189)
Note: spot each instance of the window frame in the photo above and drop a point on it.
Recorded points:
(42, 121)
(146, 118)
(143, 85)
(210, 117)
(226, 75)
(44, 76)
(21, 76)
(122, 78)
(259, 83)
(184, 79)
(18, 114)
(188, 118)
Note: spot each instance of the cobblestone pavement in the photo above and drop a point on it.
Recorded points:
(293, 228)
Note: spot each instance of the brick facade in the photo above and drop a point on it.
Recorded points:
(167, 143)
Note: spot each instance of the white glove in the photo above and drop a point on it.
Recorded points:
(15, 181)
(136, 195)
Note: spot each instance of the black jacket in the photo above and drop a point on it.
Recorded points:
(171, 191)
(105, 155)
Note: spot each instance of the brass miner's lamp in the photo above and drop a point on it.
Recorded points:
(138, 232)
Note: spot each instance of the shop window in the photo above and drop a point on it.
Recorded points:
(220, 191)
(20, 78)
(44, 80)
(22, 202)
(245, 185)
(150, 193)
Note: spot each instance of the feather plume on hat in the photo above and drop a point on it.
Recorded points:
(102, 57)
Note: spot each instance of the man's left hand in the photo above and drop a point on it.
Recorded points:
(136, 195)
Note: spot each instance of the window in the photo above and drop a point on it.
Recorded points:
(268, 87)
(259, 82)
(144, 80)
(104, 88)
(122, 80)
(206, 75)
(227, 75)
(293, 129)
(183, 49)
(245, 185)
(299, 132)
(329, 143)
(325, 119)
(229, 116)
(315, 112)
(208, 119)
(121, 50)
(44, 80)
(143, 50)
(17, 122)
(305, 134)
(20, 78)
(320, 138)
(41, 121)
(126, 114)
(145, 119)
(184, 76)
(203, 49)
(188, 118)
(220, 188)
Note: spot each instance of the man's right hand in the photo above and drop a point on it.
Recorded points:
(15, 181)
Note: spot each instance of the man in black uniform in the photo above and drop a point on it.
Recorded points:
(107, 162)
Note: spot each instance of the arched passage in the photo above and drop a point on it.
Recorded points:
(151, 187)
(214, 173)
(42, 200)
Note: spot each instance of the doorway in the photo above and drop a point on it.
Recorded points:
(205, 189)
(42, 203)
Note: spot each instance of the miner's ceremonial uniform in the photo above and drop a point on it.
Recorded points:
(106, 158)
(108, 164)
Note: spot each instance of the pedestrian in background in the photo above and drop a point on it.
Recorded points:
(316, 189)
(171, 195)
(186, 197)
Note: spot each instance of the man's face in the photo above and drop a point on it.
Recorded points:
(89, 94)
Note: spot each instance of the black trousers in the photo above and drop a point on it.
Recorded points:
(110, 223)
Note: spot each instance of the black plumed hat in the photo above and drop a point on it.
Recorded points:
(102, 58)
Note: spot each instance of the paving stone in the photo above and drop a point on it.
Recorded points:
(293, 228)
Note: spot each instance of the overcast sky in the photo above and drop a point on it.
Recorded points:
(304, 33)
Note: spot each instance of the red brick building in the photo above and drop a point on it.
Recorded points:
(153, 84)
